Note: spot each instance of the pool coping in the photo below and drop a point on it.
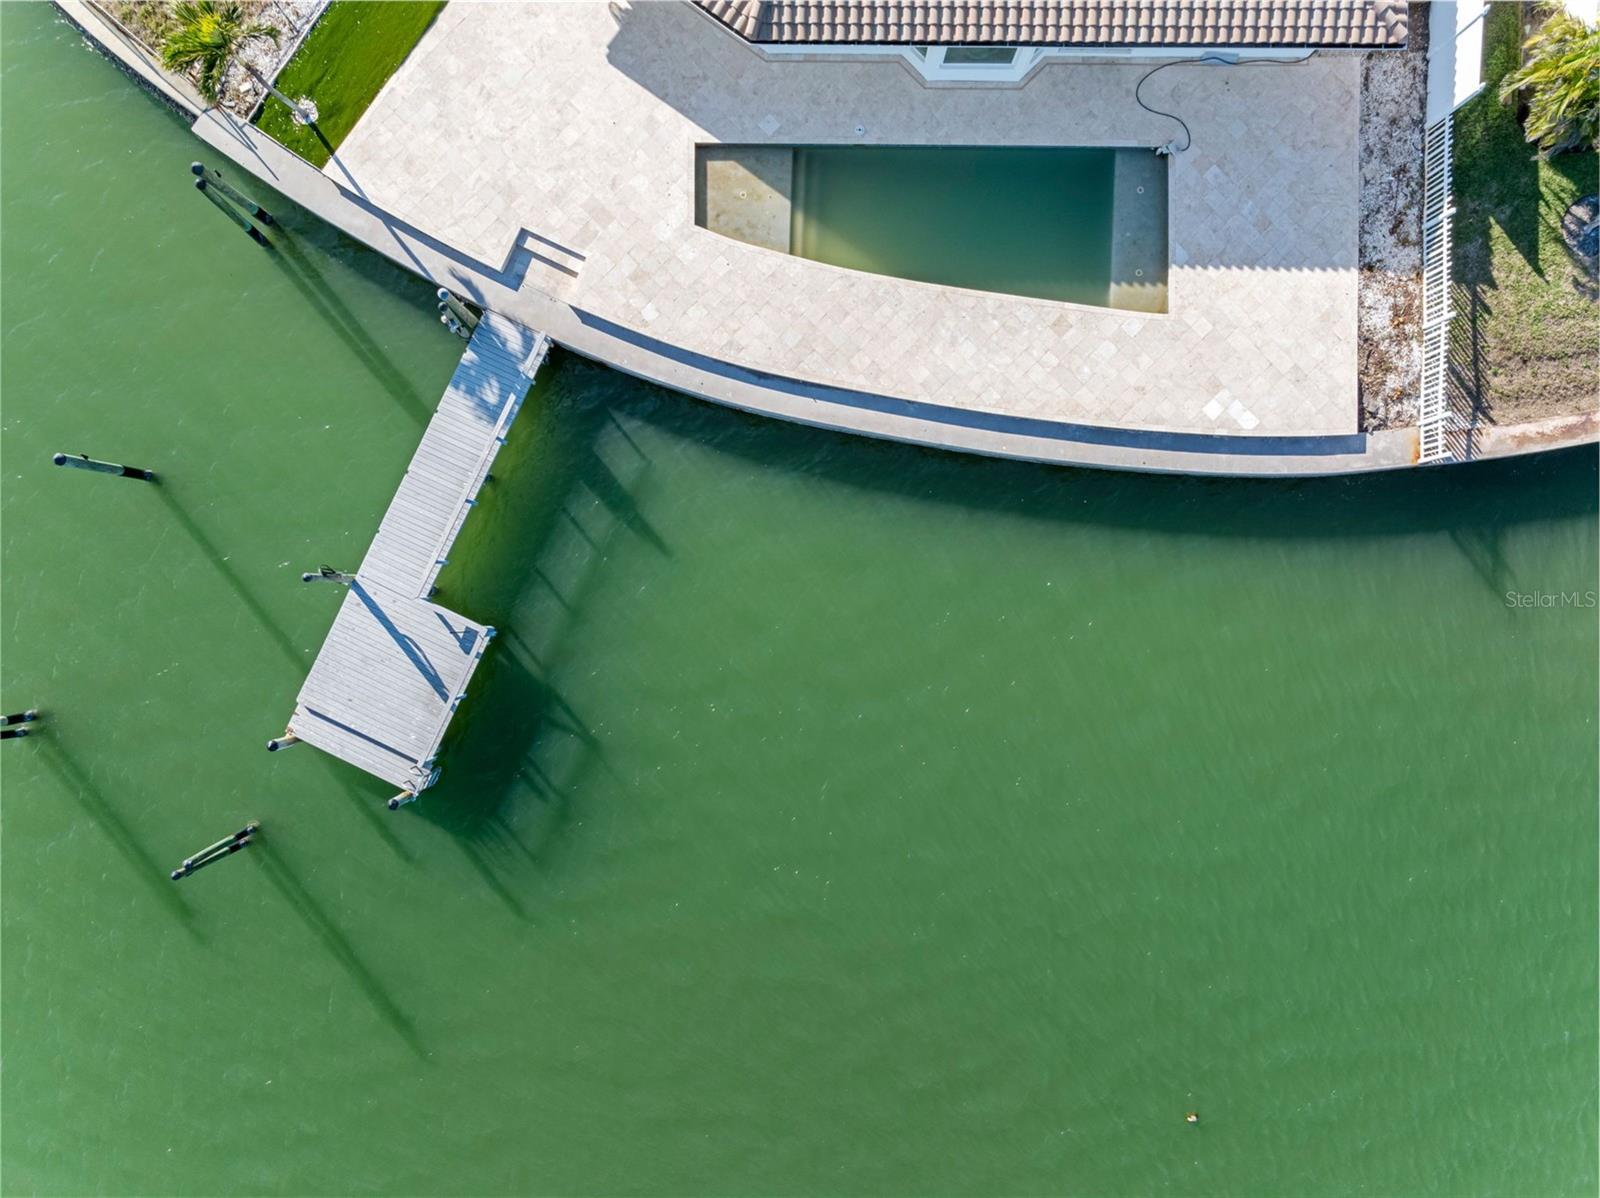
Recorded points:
(632, 351)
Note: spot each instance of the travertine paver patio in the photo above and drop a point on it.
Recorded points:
(577, 123)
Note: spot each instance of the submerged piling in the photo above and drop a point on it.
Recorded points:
(228, 851)
(82, 461)
(221, 844)
(235, 216)
(213, 177)
(211, 854)
(13, 733)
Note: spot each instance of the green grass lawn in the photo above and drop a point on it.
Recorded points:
(1525, 333)
(344, 61)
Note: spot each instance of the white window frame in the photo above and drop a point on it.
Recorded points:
(935, 69)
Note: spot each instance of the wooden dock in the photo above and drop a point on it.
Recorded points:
(395, 666)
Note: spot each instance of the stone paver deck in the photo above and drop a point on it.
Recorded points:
(576, 124)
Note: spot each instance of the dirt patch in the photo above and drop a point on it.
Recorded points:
(1389, 289)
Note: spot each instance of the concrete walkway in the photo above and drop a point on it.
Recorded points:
(507, 286)
(578, 123)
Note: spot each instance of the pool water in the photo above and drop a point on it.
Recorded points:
(1079, 225)
(831, 817)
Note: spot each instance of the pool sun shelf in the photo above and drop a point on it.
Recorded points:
(395, 666)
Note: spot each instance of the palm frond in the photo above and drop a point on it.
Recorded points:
(1562, 79)
(207, 35)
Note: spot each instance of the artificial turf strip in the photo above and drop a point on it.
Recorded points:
(1522, 345)
(344, 62)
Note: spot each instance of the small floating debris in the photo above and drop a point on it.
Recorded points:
(329, 574)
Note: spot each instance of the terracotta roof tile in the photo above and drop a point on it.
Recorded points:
(1067, 22)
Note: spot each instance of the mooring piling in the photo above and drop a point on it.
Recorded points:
(214, 177)
(9, 732)
(234, 215)
(456, 308)
(282, 742)
(82, 461)
(242, 833)
(401, 799)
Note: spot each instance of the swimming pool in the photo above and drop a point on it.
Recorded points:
(1085, 225)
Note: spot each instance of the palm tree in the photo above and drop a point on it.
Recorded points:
(1563, 74)
(208, 36)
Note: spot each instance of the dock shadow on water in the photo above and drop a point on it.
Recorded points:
(572, 482)
(275, 866)
(566, 484)
(367, 796)
(58, 760)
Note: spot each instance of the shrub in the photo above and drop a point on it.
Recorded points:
(1562, 77)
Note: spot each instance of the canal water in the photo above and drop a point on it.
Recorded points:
(832, 817)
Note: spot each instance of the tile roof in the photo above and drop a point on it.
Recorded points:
(1067, 22)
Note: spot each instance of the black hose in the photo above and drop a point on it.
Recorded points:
(1188, 137)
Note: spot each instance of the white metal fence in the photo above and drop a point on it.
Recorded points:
(1437, 302)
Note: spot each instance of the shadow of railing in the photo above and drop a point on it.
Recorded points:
(230, 577)
(278, 872)
(368, 802)
(408, 646)
(1466, 371)
(303, 274)
(54, 755)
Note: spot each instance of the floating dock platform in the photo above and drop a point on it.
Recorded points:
(395, 666)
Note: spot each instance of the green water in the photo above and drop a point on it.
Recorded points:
(1023, 221)
(832, 817)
